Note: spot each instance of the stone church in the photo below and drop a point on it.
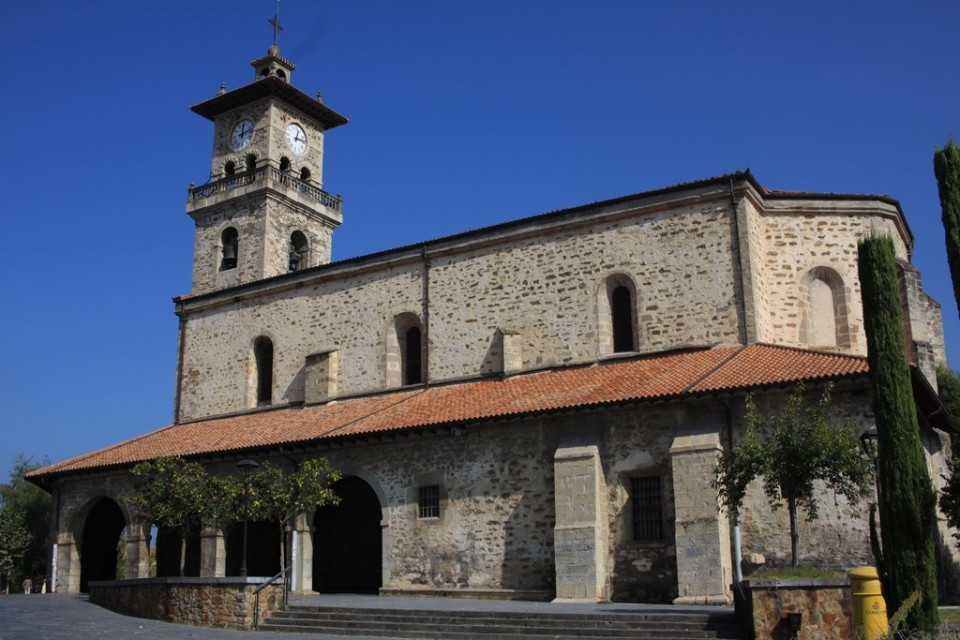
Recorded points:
(528, 410)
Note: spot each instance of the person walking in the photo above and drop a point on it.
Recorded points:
(27, 585)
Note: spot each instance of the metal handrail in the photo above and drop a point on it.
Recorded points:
(256, 593)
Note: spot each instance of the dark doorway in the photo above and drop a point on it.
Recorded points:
(263, 549)
(168, 553)
(99, 542)
(346, 542)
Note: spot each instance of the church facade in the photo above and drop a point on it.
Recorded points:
(529, 410)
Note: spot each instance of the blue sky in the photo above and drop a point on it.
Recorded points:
(463, 114)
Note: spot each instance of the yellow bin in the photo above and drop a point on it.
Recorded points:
(869, 607)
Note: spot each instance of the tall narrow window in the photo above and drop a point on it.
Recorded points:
(621, 313)
(251, 162)
(298, 251)
(647, 509)
(412, 357)
(229, 168)
(263, 353)
(229, 245)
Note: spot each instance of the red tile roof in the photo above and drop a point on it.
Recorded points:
(671, 376)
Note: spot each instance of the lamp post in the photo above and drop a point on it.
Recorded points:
(246, 467)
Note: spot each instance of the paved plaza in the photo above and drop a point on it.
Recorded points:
(65, 616)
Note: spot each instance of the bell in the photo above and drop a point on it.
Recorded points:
(230, 252)
(294, 259)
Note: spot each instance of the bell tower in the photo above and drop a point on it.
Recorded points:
(263, 212)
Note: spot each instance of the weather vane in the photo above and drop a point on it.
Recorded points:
(275, 21)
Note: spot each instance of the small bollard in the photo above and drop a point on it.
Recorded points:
(869, 607)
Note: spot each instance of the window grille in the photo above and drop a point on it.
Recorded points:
(429, 501)
(647, 511)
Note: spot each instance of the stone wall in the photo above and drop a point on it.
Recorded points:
(825, 606)
(206, 602)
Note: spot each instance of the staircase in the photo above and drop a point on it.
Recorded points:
(540, 623)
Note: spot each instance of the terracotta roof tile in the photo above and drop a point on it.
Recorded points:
(673, 375)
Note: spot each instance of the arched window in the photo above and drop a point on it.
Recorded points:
(263, 354)
(284, 163)
(229, 247)
(305, 174)
(404, 362)
(412, 356)
(229, 168)
(825, 309)
(621, 315)
(251, 162)
(298, 251)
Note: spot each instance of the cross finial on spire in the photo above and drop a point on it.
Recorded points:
(275, 21)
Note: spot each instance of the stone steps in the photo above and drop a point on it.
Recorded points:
(504, 625)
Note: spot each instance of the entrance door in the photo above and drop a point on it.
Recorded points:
(346, 542)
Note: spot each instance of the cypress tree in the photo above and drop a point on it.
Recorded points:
(946, 166)
(907, 502)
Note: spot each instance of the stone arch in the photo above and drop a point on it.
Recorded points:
(98, 533)
(229, 248)
(348, 540)
(299, 251)
(824, 301)
(618, 328)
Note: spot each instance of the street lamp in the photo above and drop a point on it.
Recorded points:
(246, 467)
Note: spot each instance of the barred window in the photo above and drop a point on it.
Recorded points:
(429, 501)
(647, 512)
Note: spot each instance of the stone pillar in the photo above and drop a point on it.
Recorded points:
(213, 553)
(301, 554)
(704, 569)
(137, 551)
(581, 533)
(68, 564)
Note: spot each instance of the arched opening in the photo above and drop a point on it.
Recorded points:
(305, 174)
(229, 168)
(298, 250)
(251, 162)
(99, 543)
(263, 354)
(347, 541)
(168, 553)
(621, 315)
(229, 246)
(263, 548)
(282, 75)
(284, 163)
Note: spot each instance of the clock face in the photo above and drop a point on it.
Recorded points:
(296, 138)
(242, 134)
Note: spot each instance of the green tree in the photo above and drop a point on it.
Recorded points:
(278, 496)
(174, 493)
(792, 450)
(946, 166)
(24, 524)
(907, 502)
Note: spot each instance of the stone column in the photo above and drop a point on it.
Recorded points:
(581, 532)
(137, 551)
(704, 569)
(68, 564)
(213, 553)
(301, 554)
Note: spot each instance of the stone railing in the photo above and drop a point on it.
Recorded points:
(204, 191)
(205, 602)
(825, 608)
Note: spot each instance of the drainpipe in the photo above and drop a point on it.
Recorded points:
(742, 302)
(737, 550)
(425, 315)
